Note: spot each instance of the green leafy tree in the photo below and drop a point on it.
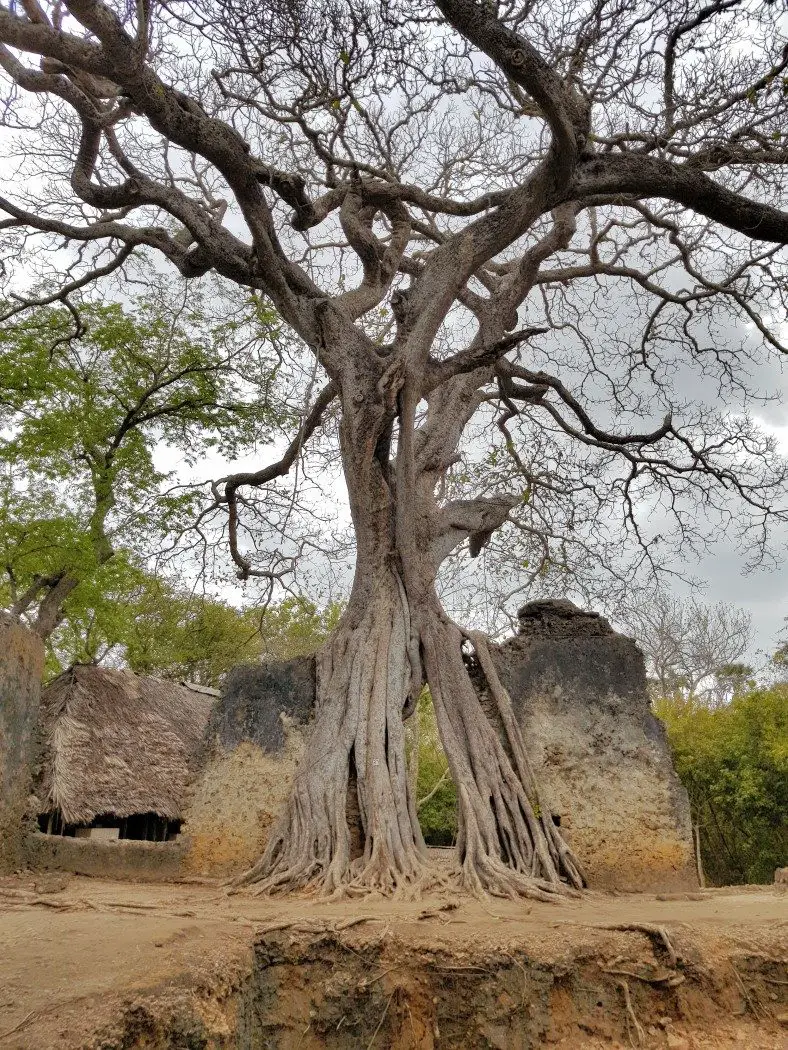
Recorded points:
(154, 626)
(188, 637)
(179, 635)
(82, 417)
(733, 761)
(295, 627)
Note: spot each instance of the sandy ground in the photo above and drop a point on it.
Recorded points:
(74, 950)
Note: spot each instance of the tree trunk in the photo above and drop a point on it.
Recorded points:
(369, 676)
(364, 686)
(363, 682)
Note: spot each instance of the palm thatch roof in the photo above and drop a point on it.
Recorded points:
(118, 743)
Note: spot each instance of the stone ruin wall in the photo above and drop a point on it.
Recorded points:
(21, 669)
(254, 742)
(579, 694)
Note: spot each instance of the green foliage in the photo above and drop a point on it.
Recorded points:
(83, 417)
(295, 627)
(732, 680)
(39, 534)
(438, 814)
(174, 634)
(133, 378)
(198, 639)
(154, 627)
(733, 761)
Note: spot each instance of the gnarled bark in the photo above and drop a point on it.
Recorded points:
(393, 635)
(507, 845)
(363, 684)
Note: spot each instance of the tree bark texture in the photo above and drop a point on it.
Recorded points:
(393, 637)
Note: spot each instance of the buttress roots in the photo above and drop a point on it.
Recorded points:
(507, 843)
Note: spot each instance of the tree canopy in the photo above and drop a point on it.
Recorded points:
(494, 170)
(83, 415)
(156, 625)
(691, 647)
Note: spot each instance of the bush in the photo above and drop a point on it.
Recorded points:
(434, 786)
(733, 761)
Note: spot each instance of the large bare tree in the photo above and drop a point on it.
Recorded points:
(438, 198)
(690, 647)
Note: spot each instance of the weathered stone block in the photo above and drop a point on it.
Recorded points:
(21, 668)
(579, 693)
(254, 742)
(255, 697)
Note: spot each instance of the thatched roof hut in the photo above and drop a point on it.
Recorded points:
(116, 743)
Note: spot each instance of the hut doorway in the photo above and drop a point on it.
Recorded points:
(145, 827)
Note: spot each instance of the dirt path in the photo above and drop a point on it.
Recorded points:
(76, 953)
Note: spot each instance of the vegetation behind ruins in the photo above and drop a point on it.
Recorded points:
(733, 760)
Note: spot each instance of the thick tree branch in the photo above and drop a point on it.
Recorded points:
(475, 520)
(566, 114)
(646, 176)
(475, 356)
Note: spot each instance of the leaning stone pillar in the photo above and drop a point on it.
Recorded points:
(21, 668)
(579, 693)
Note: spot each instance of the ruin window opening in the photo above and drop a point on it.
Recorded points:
(436, 795)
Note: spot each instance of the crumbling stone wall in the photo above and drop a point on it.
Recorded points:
(21, 668)
(579, 693)
(254, 742)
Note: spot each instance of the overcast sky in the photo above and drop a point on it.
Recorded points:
(764, 591)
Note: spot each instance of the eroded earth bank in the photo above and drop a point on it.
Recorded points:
(114, 966)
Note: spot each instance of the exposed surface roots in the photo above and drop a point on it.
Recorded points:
(363, 681)
(507, 843)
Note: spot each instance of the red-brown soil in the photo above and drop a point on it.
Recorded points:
(120, 966)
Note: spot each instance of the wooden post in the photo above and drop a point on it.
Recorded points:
(698, 860)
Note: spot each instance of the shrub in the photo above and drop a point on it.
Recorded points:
(733, 761)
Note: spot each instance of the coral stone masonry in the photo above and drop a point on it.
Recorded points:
(21, 667)
(579, 693)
